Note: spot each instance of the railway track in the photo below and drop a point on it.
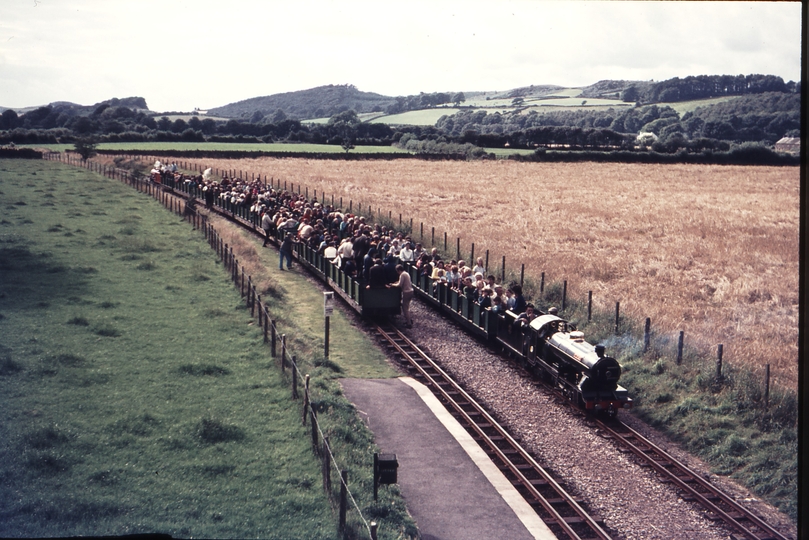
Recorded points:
(558, 509)
(718, 504)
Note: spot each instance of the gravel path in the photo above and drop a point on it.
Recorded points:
(633, 503)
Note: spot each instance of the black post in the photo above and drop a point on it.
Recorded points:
(294, 378)
(376, 475)
(458, 247)
(445, 241)
(472, 254)
(680, 348)
(326, 343)
(503, 271)
(767, 387)
(589, 306)
(283, 352)
(542, 283)
(719, 351)
(487, 262)
(522, 278)
(343, 498)
(564, 295)
(647, 334)
(617, 314)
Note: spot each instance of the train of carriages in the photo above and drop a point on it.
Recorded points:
(548, 346)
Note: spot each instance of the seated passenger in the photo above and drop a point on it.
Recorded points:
(376, 275)
(485, 298)
(479, 266)
(525, 318)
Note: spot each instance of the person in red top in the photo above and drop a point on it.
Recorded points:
(407, 294)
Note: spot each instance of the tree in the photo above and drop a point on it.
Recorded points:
(458, 98)
(86, 147)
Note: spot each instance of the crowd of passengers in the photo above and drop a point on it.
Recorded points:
(366, 252)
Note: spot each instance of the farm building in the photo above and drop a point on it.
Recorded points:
(788, 144)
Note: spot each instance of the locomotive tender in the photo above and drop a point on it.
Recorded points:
(550, 347)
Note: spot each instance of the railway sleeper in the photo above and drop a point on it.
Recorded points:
(683, 479)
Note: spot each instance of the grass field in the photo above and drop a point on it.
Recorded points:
(135, 391)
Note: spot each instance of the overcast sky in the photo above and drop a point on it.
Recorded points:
(179, 54)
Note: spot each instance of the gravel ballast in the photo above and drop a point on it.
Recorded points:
(632, 501)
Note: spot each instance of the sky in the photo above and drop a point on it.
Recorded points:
(180, 55)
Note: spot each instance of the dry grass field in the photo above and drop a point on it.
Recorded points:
(710, 250)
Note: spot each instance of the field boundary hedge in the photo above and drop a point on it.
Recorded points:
(738, 156)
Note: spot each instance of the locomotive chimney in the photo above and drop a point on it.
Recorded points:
(600, 350)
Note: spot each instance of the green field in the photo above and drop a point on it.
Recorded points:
(423, 117)
(229, 147)
(136, 393)
(683, 107)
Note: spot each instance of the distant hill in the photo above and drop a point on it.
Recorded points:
(74, 109)
(313, 103)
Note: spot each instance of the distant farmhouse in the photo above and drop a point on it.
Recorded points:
(789, 144)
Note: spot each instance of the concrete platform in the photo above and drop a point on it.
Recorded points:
(451, 487)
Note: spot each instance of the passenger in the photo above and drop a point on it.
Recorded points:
(519, 301)
(479, 267)
(376, 275)
(497, 305)
(525, 318)
(485, 298)
(267, 226)
(439, 266)
(286, 251)
(453, 277)
(368, 262)
(406, 254)
(553, 311)
(390, 262)
(407, 294)
(330, 252)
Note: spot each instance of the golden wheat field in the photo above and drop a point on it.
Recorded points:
(710, 250)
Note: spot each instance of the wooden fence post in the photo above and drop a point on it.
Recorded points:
(719, 352)
(294, 378)
(283, 352)
(343, 498)
(647, 334)
(325, 463)
(767, 387)
(680, 348)
(305, 398)
(273, 330)
(564, 295)
(589, 306)
(617, 315)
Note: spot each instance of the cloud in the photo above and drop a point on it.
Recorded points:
(182, 54)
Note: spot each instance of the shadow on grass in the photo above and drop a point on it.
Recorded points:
(33, 279)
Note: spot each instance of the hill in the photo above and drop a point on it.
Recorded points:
(312, 103)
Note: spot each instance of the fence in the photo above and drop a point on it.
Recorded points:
(272, 336)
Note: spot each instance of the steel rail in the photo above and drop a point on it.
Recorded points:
(396, 339)
(668, 467)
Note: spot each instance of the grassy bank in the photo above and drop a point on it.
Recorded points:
(136, 393)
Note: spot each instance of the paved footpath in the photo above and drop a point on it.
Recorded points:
(451, 487)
